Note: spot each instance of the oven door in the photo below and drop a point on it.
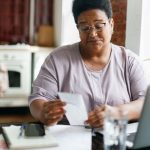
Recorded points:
(19, 80)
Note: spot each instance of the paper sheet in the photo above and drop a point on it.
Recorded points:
(132, 127)
(75, 109)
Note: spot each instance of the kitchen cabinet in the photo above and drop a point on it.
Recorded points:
(38, 58)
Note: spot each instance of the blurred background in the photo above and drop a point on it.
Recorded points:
(31, 29)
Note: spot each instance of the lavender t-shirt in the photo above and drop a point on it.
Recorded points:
(119, 82)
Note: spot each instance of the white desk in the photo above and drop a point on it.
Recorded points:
(68, 137)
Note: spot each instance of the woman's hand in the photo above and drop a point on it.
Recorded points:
(96, 117)
(52, 112)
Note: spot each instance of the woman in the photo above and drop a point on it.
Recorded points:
(108, 76)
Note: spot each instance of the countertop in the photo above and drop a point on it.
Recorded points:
(24, 47)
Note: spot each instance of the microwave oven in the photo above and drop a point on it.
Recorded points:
(18, 63)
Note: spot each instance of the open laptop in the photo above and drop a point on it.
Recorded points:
(142, 135)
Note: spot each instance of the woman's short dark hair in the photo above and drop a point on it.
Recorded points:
(80, 6)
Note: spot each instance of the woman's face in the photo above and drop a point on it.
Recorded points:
(95, 29)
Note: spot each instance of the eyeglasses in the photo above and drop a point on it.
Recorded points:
(87, 28)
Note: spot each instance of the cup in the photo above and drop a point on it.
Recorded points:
(115, 131)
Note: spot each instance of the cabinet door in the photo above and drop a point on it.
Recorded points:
(39, 58)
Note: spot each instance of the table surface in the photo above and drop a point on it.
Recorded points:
(97, 140)
(16, 119)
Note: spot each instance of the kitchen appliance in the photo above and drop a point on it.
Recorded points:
(18, 62)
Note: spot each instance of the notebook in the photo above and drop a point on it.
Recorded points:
(141, 138)
(15, 142)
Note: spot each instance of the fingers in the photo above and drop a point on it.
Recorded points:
(53, 104)
(96, 117)
(53, 112)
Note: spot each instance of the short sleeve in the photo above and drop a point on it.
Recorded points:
(45, 85)
(138, 82)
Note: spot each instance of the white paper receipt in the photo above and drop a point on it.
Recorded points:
(76, 112)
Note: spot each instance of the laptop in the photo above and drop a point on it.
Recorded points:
(141, 138)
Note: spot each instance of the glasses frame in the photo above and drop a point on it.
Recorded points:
(82, 28)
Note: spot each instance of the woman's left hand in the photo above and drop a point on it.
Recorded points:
(96, 117)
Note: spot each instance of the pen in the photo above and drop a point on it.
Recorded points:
(21, 130)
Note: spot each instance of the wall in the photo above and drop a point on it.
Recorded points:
(133, 28)
(138, 27)
(65, 31)
(119, 14)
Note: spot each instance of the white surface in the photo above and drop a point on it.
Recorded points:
(22, 142)
(23, 47)
(65, 31)
(138, 27)
(69, 138)
(133, 25)
(39, 58)
(72, 137)
(20, 62)
(145, 30)
(13, 101)
(132, 128)
(75, 109)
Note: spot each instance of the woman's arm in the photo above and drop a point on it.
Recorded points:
(133, 110)
(36, 108)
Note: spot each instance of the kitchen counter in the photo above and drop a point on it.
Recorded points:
(24, 47)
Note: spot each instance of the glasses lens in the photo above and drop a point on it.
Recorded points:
(86, 28)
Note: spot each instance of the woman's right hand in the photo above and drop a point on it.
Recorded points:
(52, 112)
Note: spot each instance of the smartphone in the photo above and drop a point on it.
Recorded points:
(34, 129)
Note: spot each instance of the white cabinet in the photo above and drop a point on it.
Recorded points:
(38, 59)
